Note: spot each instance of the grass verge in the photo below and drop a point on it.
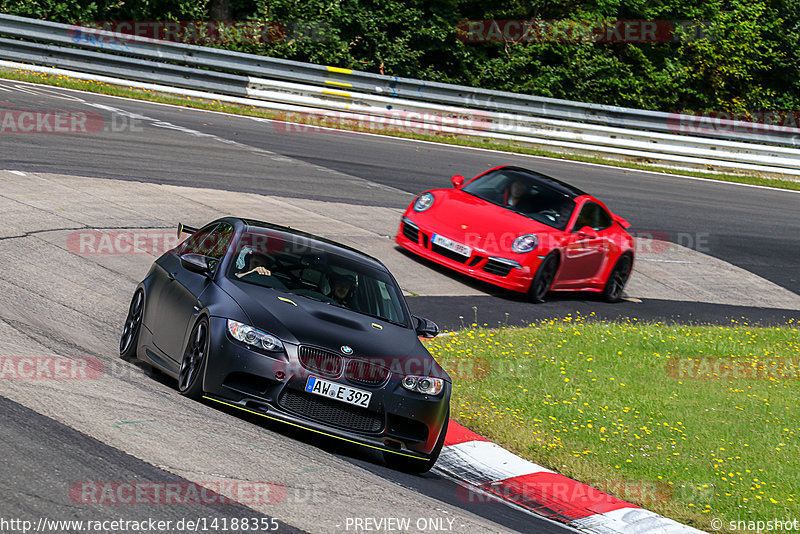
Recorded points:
(693, 422)
(154, 96)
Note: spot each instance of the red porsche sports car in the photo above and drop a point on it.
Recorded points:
(523, 231)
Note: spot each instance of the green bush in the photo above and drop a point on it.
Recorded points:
(745, 57)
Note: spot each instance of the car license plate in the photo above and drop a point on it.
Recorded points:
(340, 392)
(449, 244)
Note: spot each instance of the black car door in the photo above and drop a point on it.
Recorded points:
(181, 298)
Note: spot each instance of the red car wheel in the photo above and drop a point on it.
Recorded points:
(612, 291)
(544, 277)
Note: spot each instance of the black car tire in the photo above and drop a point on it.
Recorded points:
(618, 277)
(412, 465)
(193, 363)
(544, 277)
(129, 341)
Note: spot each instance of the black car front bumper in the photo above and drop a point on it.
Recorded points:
(272, 385)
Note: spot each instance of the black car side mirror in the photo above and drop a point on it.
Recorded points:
(425, 327)
(197, 263)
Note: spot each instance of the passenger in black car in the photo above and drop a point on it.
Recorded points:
(343, 289)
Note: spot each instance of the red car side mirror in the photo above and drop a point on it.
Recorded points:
(457, 180)
(587, 232)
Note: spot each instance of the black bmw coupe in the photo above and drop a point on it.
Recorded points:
(295, 328)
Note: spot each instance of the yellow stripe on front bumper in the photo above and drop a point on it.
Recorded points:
(313, 429)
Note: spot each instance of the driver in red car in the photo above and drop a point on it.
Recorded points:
(518, 196)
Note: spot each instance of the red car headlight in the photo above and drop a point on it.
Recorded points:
(423, 202)
(525, 243)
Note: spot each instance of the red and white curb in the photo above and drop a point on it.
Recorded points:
(486, 468)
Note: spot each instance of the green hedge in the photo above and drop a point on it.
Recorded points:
(746, 57)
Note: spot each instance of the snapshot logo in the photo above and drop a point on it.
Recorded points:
(49, 368)
(247, 493)
(710, 368)
(736, 123)
(417, 122)
(577, 31)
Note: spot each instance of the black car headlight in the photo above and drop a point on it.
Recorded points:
(423, 384)
(423, 202)
(525, 243)
(254, 337)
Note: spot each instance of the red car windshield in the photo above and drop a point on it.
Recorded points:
(524, 193)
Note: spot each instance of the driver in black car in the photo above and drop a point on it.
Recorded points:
(256, 264)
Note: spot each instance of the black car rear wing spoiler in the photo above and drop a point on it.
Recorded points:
(183, 229)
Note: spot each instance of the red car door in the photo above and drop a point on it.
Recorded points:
(586, 247)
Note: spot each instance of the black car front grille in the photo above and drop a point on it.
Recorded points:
(455, 256)
(411, 232)
(497, 268)
(331, 412)
(321, 361)
(365, 373)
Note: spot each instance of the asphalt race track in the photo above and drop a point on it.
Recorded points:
(749, 227)
(45, 469)
(130, 424)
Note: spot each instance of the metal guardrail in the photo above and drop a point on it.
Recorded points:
(317, 89)
(123, 67)
(404, 88)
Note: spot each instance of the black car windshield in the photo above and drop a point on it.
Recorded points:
(525, 193)
(297, 265)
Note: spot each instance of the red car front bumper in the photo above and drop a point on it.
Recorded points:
(480, 265)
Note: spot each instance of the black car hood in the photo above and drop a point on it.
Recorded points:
(303, 321)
